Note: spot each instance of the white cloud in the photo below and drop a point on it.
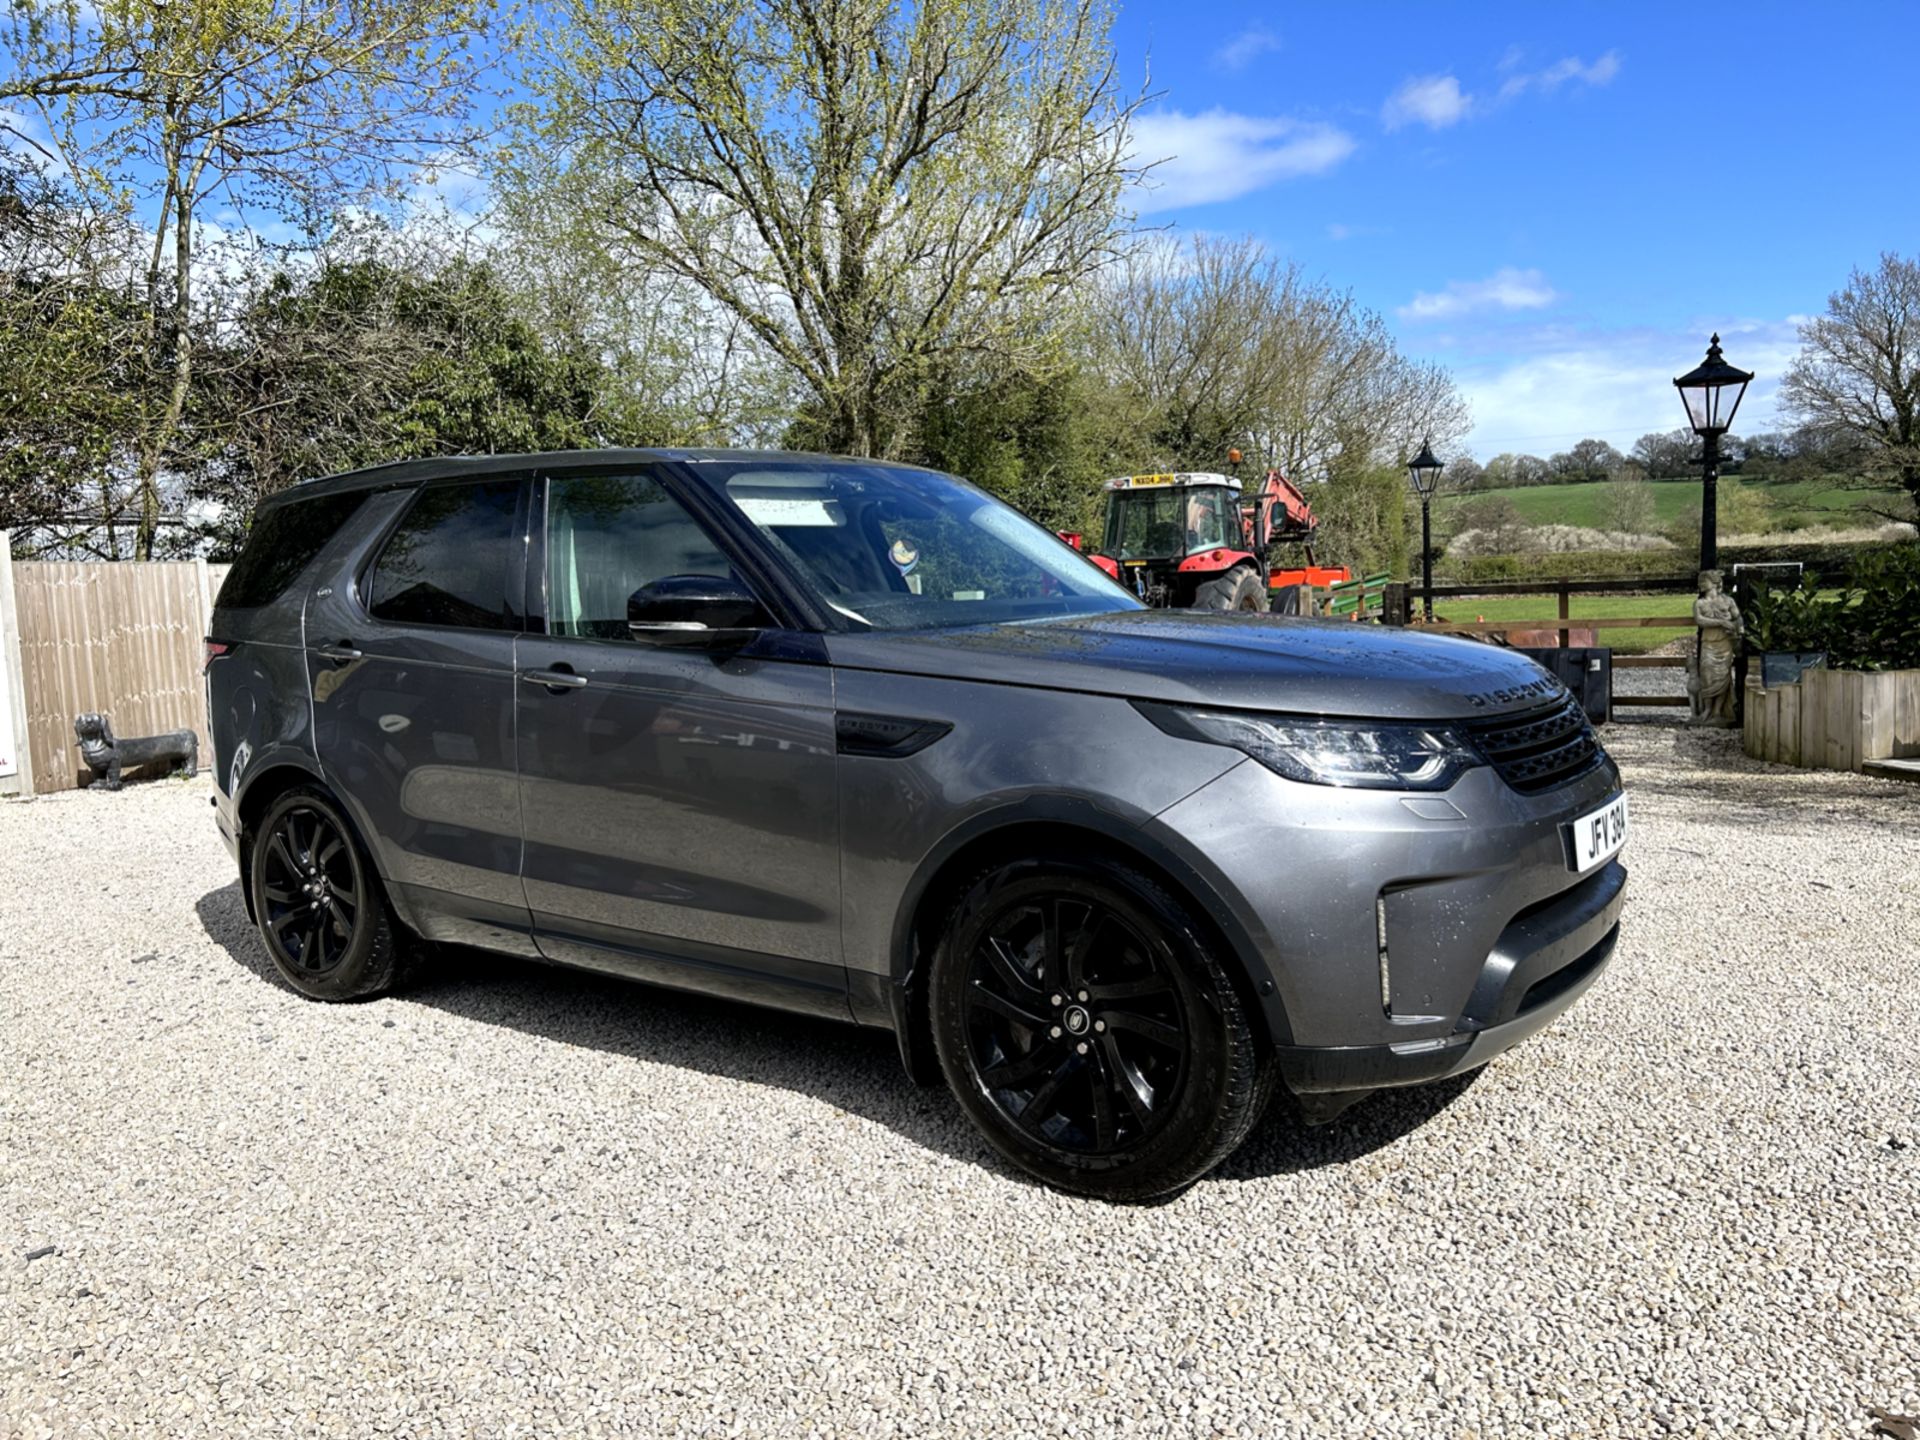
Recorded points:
(1572, 70)
(1505, 289)
(1435, 101)
(1219, 155)
(1246, 47)
(1561, 385)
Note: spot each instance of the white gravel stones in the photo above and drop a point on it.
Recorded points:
(522, 1202)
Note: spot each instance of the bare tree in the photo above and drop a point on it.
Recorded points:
(1858, 372)
(1628, 505)
(870, 186)
(1220, 343)
(269, 114)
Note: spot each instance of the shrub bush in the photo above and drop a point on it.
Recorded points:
(1873, 623)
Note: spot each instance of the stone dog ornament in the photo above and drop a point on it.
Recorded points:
(107, 757)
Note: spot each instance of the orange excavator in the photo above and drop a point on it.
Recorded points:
(1197, 540)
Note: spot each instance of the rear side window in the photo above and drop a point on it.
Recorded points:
(447, 561)
(281, 544)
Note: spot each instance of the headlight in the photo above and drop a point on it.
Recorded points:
(1355, 754)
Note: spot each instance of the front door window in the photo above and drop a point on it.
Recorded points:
(608, 535)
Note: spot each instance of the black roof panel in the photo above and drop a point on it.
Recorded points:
(454, 467)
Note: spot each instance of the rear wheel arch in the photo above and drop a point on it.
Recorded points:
(946, 876)
(268, 785)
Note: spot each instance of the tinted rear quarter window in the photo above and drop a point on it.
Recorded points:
(447, 561)
(281, 544)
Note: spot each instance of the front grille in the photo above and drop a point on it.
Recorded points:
(1539, 749)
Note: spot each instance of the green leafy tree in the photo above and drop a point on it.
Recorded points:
(1045, 446)
(69, 394)
(1363, 520)
(367, 360)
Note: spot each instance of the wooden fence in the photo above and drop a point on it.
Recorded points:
(1564, 623)
(1834, 719)
(122, 638)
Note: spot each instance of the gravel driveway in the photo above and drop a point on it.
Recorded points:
(518, 1202)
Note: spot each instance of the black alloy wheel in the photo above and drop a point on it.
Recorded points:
(312, 897)
(1073, 1027)
(1087, 1027)
(317, 901)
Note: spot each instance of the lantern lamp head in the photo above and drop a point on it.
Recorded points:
(1423, 471)
(1711, 392)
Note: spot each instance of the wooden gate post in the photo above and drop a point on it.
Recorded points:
(13, 682)
(1396, 604)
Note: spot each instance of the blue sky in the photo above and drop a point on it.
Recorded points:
(1558, 202)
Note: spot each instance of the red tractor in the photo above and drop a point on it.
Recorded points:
(1195, 541)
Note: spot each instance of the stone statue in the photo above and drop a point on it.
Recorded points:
(106, 756)
(1715, 647)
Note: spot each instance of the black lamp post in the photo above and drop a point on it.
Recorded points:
(1423, 472)
(1712, 392)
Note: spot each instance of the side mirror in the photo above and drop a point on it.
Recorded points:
(694, 611)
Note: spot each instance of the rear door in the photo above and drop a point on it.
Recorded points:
(679, 809)
(412, 667)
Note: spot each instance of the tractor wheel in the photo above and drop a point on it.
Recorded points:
(1238, 589)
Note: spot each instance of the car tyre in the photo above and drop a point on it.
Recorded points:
(1087, 1026)
(1237, 590)
(319, 905)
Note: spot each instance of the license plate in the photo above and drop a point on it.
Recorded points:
(1597, 837)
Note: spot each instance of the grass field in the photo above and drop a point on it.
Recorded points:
(1796, 503)
(1545, 608)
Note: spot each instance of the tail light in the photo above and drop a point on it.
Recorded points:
(215, 649)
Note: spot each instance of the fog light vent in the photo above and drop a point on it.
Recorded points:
(1380, 930)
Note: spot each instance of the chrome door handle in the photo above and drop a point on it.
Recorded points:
(554, 679)
(339, 652)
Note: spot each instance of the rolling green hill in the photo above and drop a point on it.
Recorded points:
(1797, 504)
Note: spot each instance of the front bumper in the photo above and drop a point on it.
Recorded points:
(1543, 962)
(1394, 938)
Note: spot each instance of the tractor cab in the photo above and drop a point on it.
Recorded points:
(1187, 514)
(1196, 540)
(1172, 537)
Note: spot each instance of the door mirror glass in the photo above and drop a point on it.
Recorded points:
(693, 610)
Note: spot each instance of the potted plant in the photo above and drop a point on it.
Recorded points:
(1786, 631)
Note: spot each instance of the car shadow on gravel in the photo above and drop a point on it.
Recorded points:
(1283, 1142)
(854, 1069)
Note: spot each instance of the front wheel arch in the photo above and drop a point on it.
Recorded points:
(1052, 827)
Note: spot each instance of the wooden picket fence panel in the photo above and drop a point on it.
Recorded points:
(122, 638)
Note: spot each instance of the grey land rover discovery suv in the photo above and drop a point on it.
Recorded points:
(858, 740)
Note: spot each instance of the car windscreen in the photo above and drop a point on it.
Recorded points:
(897, 549)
